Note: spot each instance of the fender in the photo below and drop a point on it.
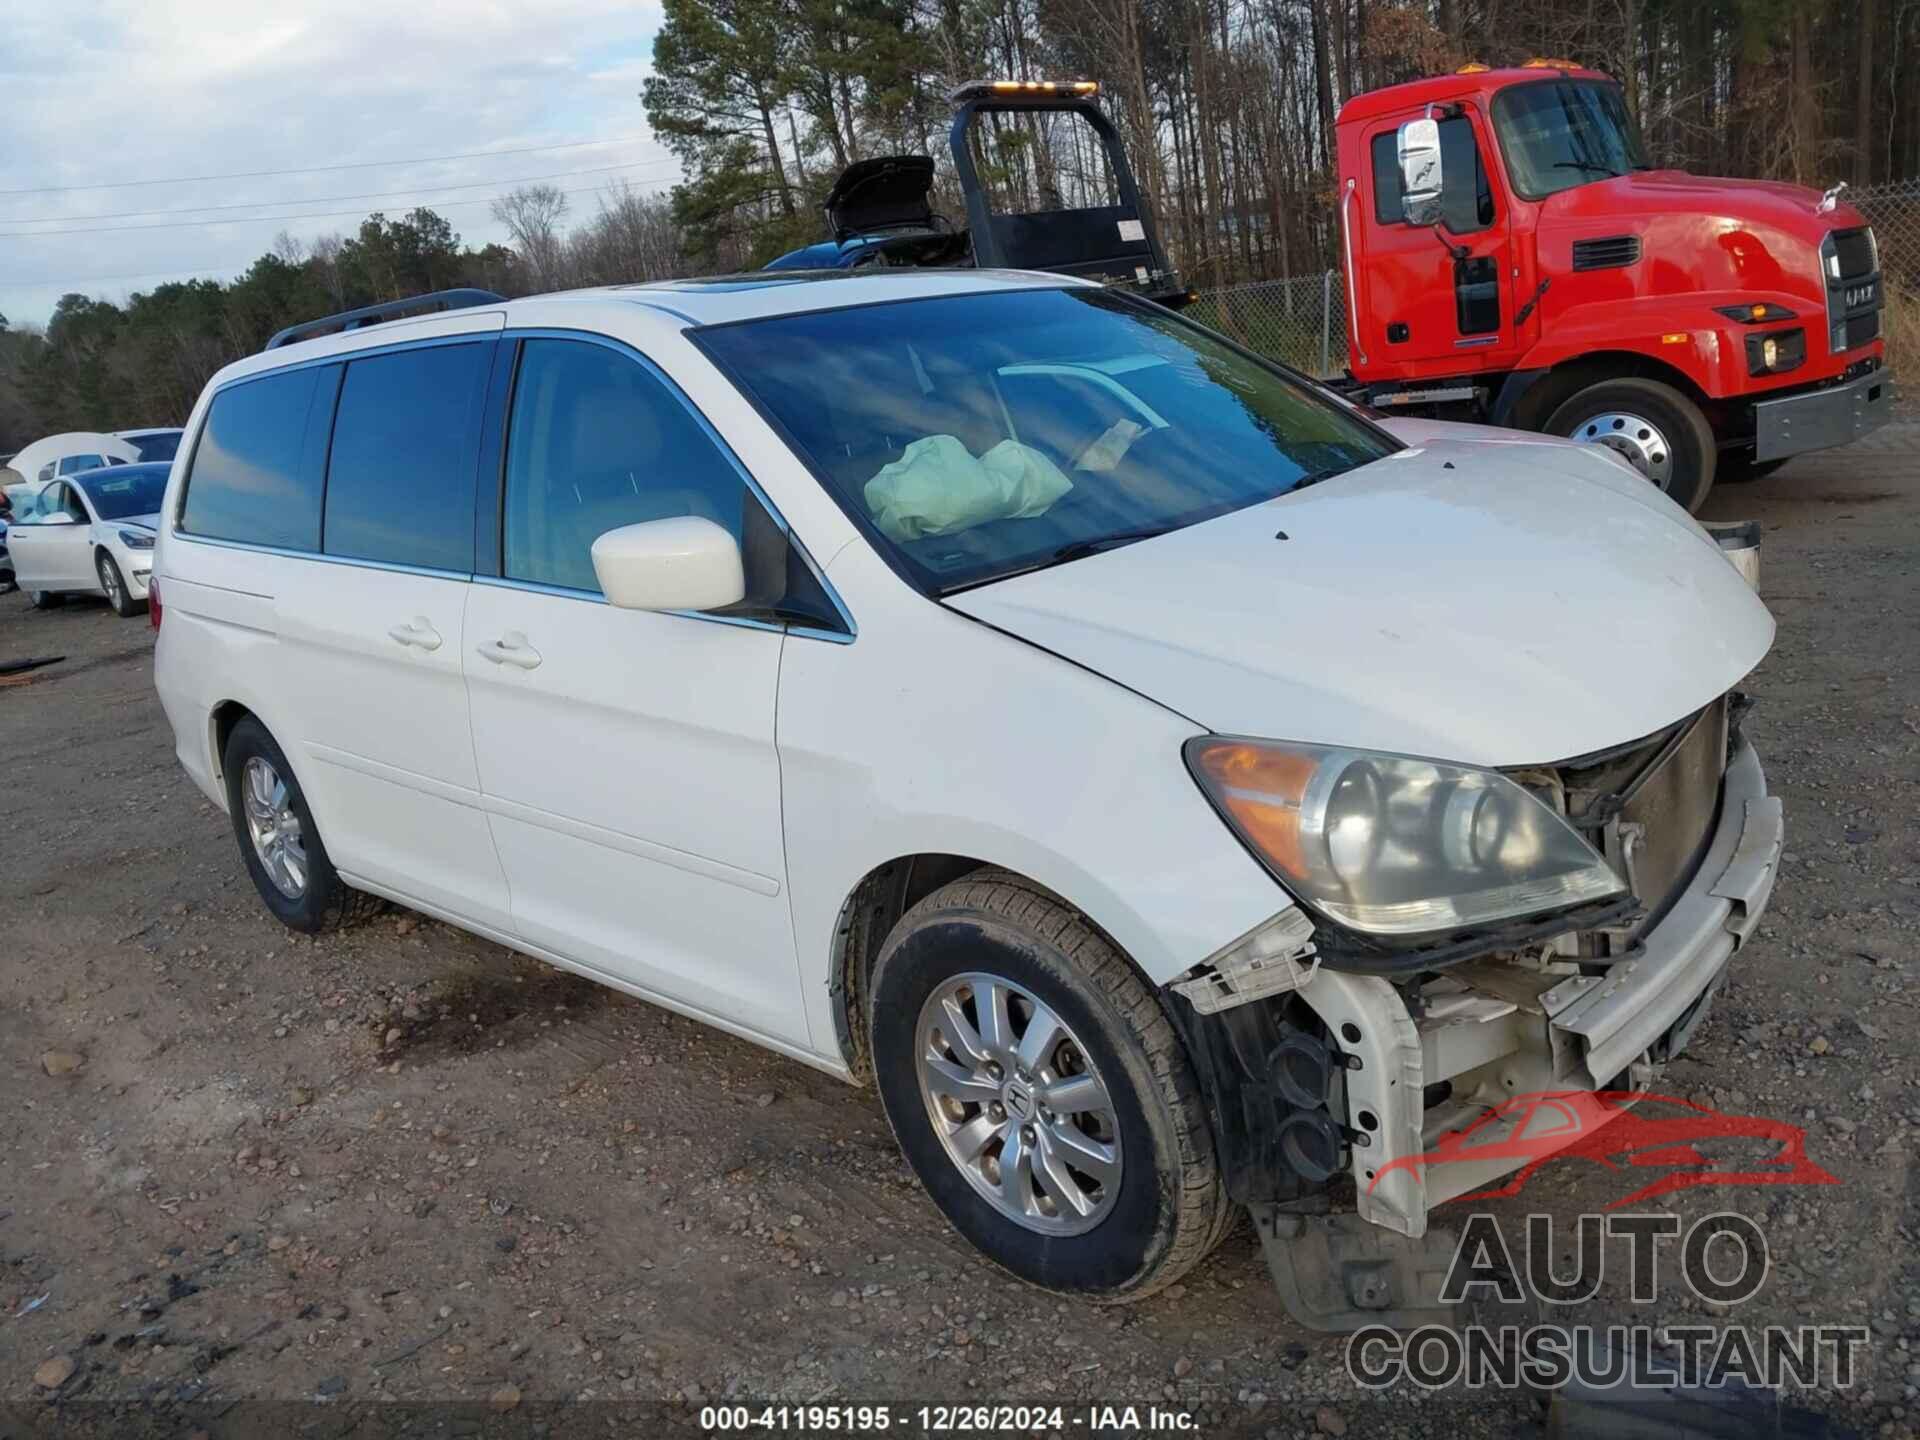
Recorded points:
(1031, 767)
(1678, 332)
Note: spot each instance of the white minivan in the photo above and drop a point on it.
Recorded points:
(1170, 790)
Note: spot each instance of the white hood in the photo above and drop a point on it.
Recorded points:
(1502, 604)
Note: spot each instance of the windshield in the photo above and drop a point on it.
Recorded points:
(1561, 133)
(126, 492)
(976, 436)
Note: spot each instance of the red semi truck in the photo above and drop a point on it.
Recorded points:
(1511, 258)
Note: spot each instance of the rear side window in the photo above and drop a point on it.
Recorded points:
(595, 442)
(247, 482)
(400, 476)
(74, 464)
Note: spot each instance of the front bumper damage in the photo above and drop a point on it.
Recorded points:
(1509, 1031)
(1478, 1035)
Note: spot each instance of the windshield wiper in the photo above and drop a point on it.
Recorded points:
(1589, 166)
(1080, 549)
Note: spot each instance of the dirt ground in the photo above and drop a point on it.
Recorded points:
(404, 1164)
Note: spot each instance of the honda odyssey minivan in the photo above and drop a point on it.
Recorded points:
(1170, 791)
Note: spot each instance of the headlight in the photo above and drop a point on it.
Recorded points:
(1391, 845)
(1776, 351)
(136, 539)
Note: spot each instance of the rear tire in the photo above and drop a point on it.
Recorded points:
(115, 586)
(279, 843)
(46, 599)
(1083, 1068)
(1654, 426)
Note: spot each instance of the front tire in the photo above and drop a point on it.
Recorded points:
(115, 586)
(1660, 431)
(279, 843)
(1040, 1092)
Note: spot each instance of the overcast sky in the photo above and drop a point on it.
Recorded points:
(97, 92)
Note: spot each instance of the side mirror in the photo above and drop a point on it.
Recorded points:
(1420, 171)
(686, 563)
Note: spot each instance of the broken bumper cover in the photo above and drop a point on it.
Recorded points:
(1578, 1033)
(1620, 1015)
(1822, 419)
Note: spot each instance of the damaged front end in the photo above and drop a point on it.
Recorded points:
(1329, 1058)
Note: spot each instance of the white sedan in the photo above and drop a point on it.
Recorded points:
(90, 534)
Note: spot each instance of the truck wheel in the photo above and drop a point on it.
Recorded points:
(1040, 1092)
(1660, 431)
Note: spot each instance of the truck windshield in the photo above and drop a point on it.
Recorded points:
(1561, 133)
(975, 436)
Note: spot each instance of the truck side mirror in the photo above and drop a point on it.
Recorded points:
(1420, 171)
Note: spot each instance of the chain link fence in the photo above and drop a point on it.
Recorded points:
(1299, 322)
(1894, 212)
(1302, 321)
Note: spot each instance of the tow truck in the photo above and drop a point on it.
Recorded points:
(879, 211)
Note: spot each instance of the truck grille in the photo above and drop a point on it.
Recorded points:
(1855, 251)
(1850, 265)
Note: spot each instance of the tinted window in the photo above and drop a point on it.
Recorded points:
(247, 482)
(157, 447)
(1466, 195)
(74, 464)
(132, 490)
(975, 436)
(401, 472)
(596, 442)
(1564, 133)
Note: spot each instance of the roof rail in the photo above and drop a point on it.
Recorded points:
(387, 310)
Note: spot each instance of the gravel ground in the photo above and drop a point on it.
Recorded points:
(405, 1164)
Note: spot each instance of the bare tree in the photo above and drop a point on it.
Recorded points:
(532, 215)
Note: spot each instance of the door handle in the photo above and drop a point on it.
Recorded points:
(510, 649)
(420, 634)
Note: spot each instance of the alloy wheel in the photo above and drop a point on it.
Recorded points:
(274, 827)
(1635, 437)
(1018, 1104)
(110, 581)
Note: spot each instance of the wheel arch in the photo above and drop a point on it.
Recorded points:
(220, 722)
(872, 911)
(1553, 387)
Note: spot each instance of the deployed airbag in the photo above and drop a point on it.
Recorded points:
(937, 487)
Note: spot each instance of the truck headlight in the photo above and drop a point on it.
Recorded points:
(1776, 351)
(1393, 845)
